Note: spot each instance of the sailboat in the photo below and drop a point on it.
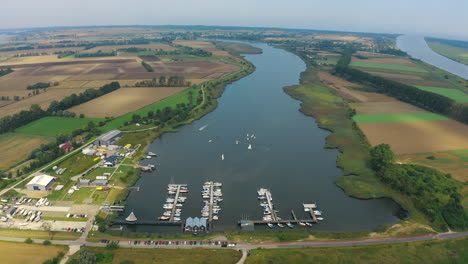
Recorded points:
(222, 156)
(237, 142)
(249, 147)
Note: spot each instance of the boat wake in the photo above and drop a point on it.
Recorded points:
(203, 127)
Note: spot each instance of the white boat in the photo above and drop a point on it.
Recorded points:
(270, 225)
(280, 225)
(308, 224)
(170, 200)
(249, 147)
(148, 157)
(215, 217)
(179, 205)
(237, 142)
(167, 214)
(320, 218)
(302, 224)
(218, 184)
(205, 214)
(222, 156)
(209, 141)
(290, 225)
(163, 218)
(171, 192)
(317, 212)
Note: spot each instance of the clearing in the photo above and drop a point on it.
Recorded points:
(124, 100)
(16, 147)
(53, 126)
(418, 137)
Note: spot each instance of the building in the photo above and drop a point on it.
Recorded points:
(195, 225)
(40, 183)
(66, 146)
(100, 182)
(108, 138)
(84, 182)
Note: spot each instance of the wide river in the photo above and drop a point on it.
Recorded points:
(417, 47)
(288, 157)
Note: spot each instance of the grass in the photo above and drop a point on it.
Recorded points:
(454, 94)
(39, 234)
(54, 126)
(16, 253)
(451, 52)
(444, 251)
(398, 118)
(15, 147)
(237, 48)
(386, 66)
(76, 164)
(169, 256)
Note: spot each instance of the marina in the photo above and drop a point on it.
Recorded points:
(211, 194)
(174, 202)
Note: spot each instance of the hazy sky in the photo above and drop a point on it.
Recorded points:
(435, 17)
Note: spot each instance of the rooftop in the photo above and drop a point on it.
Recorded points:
(109, 135)
(41, 180)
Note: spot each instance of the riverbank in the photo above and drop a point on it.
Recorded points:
(332, 113)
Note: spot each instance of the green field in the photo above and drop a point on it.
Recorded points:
(53, 126)
(451, 52)
(385, 66)
(237, 48)
(398, 118)
(454, 94)
(445, 251)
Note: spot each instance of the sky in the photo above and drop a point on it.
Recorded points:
(448, 18)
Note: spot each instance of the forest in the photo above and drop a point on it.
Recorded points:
(434, 193)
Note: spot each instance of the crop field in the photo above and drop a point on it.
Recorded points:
(15, 147)
(53, 126)
(48, 51)
(396, 67)
(159, 46)
(21, 253)
(200, 69)
(413, 117)
(124, 100)
(454, 94)
(419, 136)
(17, 81)
(394, 60)
(204, 45)
(43, 100)
(385, 108)
(454, 53)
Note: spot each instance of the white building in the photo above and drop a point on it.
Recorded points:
(40, 183)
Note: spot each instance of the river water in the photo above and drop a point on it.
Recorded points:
(288, 157)
(417, 47)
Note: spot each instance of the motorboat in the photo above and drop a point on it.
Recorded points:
(222, 156)
(163, 218)
(280, 225)
(215, 217)
(317, 212)
(320, 218)
(270, 225)
(290, 225)
(308, 224)
(302, 224)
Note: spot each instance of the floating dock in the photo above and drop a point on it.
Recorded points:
(213, 191)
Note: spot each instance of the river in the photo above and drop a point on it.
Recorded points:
(288, 157)
(417, 47)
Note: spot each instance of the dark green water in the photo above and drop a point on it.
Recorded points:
(287, 157)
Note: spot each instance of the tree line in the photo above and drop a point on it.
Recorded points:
(162, 81)
(5, 71)
(95, 54)
(183, 50)
(406, 93)
(432, 192)
(39, 85)
(147, 66)
(11, 122)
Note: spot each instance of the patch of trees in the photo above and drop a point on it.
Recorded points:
(96, 54)
(162, 81)
(39, 85)
(30, 54)
(183, 50)
(63, 54)
(147, 66)
(164, 116)
(406, 93)
(132, 49)
(432, 192)
(83, 97)
(5, 71)
(391, 51)
(10, 123)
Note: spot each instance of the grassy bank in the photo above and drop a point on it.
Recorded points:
(445, 251)
(16, 253)
(332, 113)
(451, 52)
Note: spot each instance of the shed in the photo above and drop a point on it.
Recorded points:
(100, 182)
(40, 183)
(84, 182)
(108, 138)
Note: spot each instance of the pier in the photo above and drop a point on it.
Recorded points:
(211, 192)
(269, 199)
(176, 200)
(310, 208)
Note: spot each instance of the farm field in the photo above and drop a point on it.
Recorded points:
(15, 147)
(454, 94)
(194, 69)
(398, 117)
(43, 100)
(21, 253)
(53, 126)
(157, 46)
(419, 136)
(204, 45)
(169, 256)
(451, 52)
(441, 251)
(124, 100)
(396, 67)
(387, 60)
(385, 108)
